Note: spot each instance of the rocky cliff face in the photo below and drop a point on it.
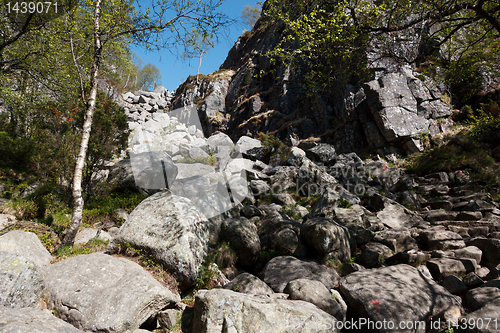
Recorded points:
(253, 95)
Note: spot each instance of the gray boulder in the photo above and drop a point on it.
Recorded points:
(392, 214)
(21, 282)
(249, 284)
(374, 254)
(281, 270)
(323, 152)
(327, 237)
(248, 147)
(454, 285)
(172, 230)
(31, 320)
(315, 292)
(442, 240)
(220, 310)
(242, 234)
(6, 220)
(396, 293)
(87, 234)
(97, 292)
(27, 245)
(442, 267)
(394, 108)
(219, 140)
(490, 248)
(490, 310)
(144, 172)
(479, 297)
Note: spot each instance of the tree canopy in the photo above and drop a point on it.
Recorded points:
(323, 34)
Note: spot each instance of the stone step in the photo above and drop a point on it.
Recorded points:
(468, 224)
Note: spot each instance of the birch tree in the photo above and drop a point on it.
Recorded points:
(164, 24)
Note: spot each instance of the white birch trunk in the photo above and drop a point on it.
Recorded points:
(76, 217)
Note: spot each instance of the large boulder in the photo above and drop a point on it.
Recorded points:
(327, 237)
(281, 270)
(172, 230)
(249, 148)
(85, 235)
(6, 220)
(396, 294)
(31, 320)
(490, 248)
(242, 234)
(27, 245)
(249, 284)
(145, 172)
(98, 292)
(479, 319)
(21, 282)
(220, 310)
(217, 141)
(316, 293)
(442, 240)
(394, 108)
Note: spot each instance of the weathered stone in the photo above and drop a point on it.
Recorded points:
(490, 248)
(439, 215)
(221, 310)
(284, 199)
(249, 148)
(412, 257)
(144, 171)
(314, 292)
(242, 234)
(173, 230)
(281, 270)
(469, 216)
(327, 237)
(250, 211)
(396, 240)
(259, 187)
(472, 280)
(219, 140)
(490, 310)
(442, 240)
(442, 267)
(169, 318)
(87, 234)
(470, 252)
(392, 294)
(373, 254)
(392, 214)
(454, 285)
(97, 292)
(31, 320)
(394, 107)
(6, 220)
(323, 152)
(479, 297)
(249, 284)
(21, 282)
(27, 245)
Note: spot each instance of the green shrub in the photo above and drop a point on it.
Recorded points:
(274, 146)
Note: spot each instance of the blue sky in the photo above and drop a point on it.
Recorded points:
(174, 71)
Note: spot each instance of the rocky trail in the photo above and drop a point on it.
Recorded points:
(320, 242)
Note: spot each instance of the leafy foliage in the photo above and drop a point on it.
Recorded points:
(326, 41)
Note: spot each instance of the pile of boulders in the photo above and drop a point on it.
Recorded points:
(325, 242)
(140, 105)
